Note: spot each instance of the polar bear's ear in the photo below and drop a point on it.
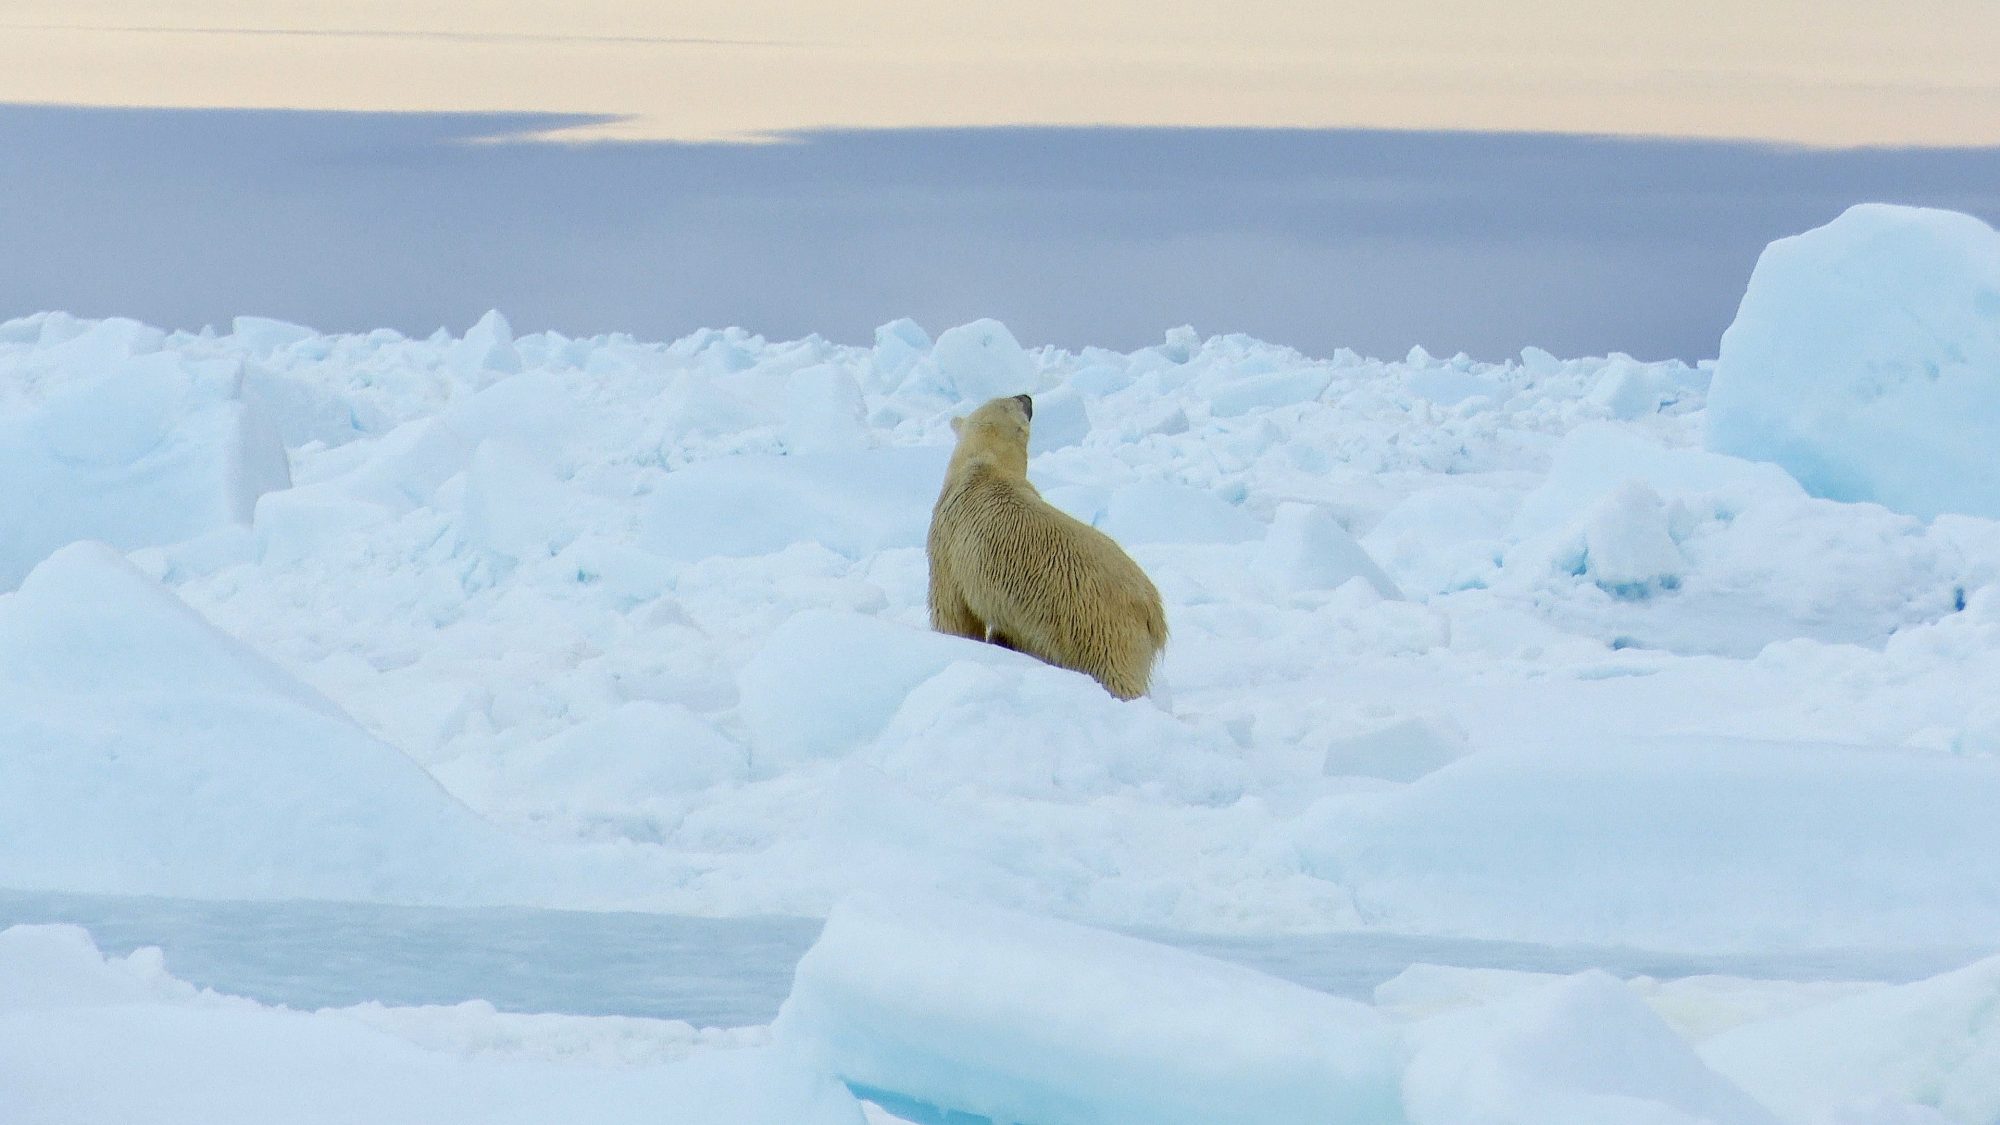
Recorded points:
(958, 425)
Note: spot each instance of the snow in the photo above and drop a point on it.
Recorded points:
(1019, 1018)
(853, 502)
(1584, 1050)
(1461, 652)
(1865, 359)
(116, 693)
(650, 618)
(1796, 845)
(1936, 1042)
(826, 682)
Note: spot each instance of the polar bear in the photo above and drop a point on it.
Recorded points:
(1009, 568)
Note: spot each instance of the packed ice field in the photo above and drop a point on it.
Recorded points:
(1586, 652)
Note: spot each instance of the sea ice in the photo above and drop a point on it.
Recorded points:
(107, 1041)
(1583, 1050)
(1019, 1018)
(981, 361)
(1865, 359)
(136, 449)
(1678, 843)
(114, 694)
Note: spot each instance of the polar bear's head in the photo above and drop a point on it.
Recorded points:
(996, 432)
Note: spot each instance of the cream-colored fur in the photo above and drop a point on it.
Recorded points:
(1009, 568)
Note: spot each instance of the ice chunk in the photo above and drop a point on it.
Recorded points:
(1232, 397)
(1160, 512)
(1685, 842)
(824, 411)
(149, 452)
(206, 771)
(404, 469)
(638, 749)
(1009, 726)
(1935, 1041)
(487, 347)
(982, 360)
(1307, 549)
(297, 524)
(514, 508)
(1594, 460)
(531, 411)
(1581, 1051)
(93, 346)
(1865, 359)
(899, 345)
(1403, 750)
(854, 503)
(1443, 538)
(825, 682)
(58, 966)
(1628, 547)
(1627, 389)
(1448, 387)
(1060, 420)
(261, 336)
(1017, 1018)
(1539, 361)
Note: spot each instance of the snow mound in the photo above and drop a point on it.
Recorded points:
(1585, 1049)
(1654, 541)
(103, 1041)
(1594, 461)
(1307, 549)
(981, 361)
(58, 966)
(1403, 750)
(1017, 1018)
(1935, 1042)
(105, 436)
(113, 693)
(1680, 843)
(824, 411)
(827, 681)
(1865, 359)
(1020, 728)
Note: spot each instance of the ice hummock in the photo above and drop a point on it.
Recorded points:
(107, 436)
(1865, 359)
(147, 752)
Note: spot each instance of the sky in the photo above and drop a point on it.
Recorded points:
(1839, 72)
(1478, 177)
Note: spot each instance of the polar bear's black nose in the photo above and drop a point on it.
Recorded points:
(1027, 405)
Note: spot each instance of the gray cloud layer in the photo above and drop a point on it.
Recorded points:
(1371, 240)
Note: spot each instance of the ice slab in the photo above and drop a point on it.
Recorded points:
(1019, 1018)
